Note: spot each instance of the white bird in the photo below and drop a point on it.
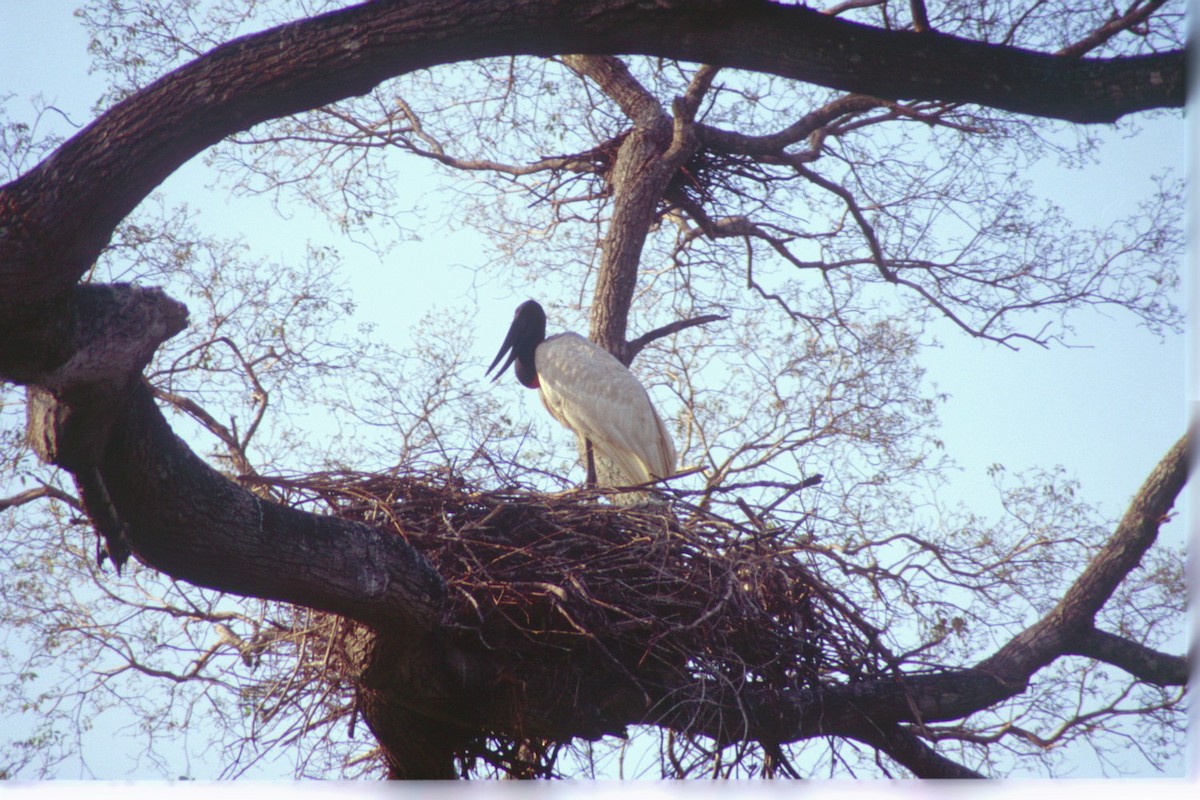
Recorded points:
(594, 395)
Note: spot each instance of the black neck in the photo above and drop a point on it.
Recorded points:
(524, 367)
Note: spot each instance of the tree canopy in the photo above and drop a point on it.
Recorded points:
(767, 210)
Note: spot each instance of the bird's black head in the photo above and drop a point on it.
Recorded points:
(527, 331)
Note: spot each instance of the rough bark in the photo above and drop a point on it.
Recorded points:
(419, 702)
(184, 518)
(647, 159)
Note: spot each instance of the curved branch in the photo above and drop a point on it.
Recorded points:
(1143, 663)
(189, 521)
(637, 345)
(1135, 15)
(50, 238)
(765, 714)
(911, 752)
(775, 143)
(29, 495)
(1072, 618)
(145, 489)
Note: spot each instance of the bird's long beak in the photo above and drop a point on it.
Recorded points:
(504, 348)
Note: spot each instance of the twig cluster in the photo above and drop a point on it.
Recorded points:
(568, 593)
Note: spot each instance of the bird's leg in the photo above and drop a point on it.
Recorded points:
(590, 480)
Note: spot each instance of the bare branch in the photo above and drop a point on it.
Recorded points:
(774, 143)
(1134, 16)
(920, 17)
(194, 410)
(909, 750)
(1055, 633)
(685, 107)
(619, 84)
(1144, 663)
(635, 346)
(29, 495)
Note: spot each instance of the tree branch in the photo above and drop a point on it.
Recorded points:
(1073, 616)
(774, 143)
(639, 174)
(634, 347)
(911, 752)
(182, 517)
(920, 17)
(1143, 663)
(729, 713)
(29, 495)
(685, 107)
(234, 448)
(618, 84)
(1136, 14)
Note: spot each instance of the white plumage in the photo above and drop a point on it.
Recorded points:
(592, 393)
(595, 396)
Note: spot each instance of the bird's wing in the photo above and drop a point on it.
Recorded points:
(592, 393)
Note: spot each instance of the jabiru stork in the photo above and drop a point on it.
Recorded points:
(593, 395)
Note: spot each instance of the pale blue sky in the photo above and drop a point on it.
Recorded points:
(1106, 412)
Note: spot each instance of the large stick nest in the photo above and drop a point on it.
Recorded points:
(567, 592)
